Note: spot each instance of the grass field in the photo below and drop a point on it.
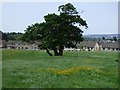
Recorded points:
(76, 69)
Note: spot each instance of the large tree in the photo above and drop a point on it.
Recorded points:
(58, 31)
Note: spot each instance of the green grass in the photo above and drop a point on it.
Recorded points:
(76, 69)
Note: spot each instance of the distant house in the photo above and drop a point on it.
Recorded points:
(11, 44)
(21, 45)
(111, 46)
(101, 46)
(85, 45)
(3, 44)
(96, 46)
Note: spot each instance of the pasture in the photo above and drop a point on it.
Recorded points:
(75, 69)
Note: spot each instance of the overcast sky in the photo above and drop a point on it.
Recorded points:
(102, 17)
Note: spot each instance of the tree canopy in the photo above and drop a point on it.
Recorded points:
(58, 31)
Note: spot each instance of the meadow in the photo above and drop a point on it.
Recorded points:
(76, 69)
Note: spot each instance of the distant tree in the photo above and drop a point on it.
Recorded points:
(115, 38)
(14, 35)
(103, 38)
(3, 36)
(58, 31)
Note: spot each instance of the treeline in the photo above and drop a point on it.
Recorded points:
(11, 36)
(17, 36)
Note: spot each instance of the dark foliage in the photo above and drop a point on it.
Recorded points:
(58, 31)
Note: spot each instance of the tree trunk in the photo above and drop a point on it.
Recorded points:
(48, 52)
(60, 53)
(61, 50)
(55, 52)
